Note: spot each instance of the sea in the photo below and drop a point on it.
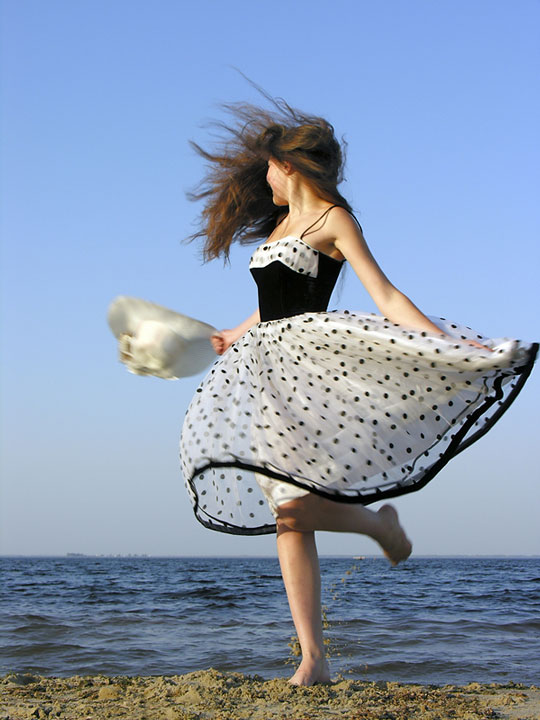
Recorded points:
(430, 620)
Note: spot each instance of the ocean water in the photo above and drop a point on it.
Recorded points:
(431, 620)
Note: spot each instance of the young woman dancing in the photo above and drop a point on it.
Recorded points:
(308, 416)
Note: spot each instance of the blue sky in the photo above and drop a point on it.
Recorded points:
(439, 104)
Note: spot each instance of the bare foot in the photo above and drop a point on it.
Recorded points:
(394, 542)
(311, 671)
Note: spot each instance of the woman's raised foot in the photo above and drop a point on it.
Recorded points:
(311, 671)
(394, 542)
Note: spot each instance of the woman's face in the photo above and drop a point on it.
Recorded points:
(277, 177)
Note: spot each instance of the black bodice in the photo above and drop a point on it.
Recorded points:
(292, 278)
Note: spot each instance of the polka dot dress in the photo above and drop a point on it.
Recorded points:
(346, 405)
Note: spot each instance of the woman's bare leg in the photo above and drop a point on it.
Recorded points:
(300, 569)
(312, 512)
(296, 522)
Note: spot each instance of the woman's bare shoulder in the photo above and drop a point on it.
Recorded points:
(341, 221)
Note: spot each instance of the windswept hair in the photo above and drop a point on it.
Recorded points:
(238, 201)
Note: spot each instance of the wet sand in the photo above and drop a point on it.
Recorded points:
(212, 694)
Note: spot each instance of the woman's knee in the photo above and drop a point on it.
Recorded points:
(290, 515)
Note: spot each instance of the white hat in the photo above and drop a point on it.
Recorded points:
(153, 340)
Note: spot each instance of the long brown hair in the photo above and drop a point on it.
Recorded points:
(238, 199)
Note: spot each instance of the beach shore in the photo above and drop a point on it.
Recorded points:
(210, 694)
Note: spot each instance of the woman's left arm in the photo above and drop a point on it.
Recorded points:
(391, 302)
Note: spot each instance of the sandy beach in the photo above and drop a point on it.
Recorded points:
(213, 694)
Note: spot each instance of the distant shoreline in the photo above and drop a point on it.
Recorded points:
(142, 556)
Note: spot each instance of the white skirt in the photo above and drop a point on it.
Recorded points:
(347, 405)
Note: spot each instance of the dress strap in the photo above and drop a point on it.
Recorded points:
(357, 221)
(318, 219)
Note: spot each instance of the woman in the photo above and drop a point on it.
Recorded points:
(309, 416)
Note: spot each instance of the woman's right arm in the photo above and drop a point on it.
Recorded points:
(225, 338)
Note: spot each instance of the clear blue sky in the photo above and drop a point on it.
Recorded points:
(439, 103)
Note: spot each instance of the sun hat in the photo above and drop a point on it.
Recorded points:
(153, 340)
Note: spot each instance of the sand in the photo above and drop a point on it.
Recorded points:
(220, 696)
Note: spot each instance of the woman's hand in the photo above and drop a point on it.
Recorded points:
(473, 343)
(223, 340)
